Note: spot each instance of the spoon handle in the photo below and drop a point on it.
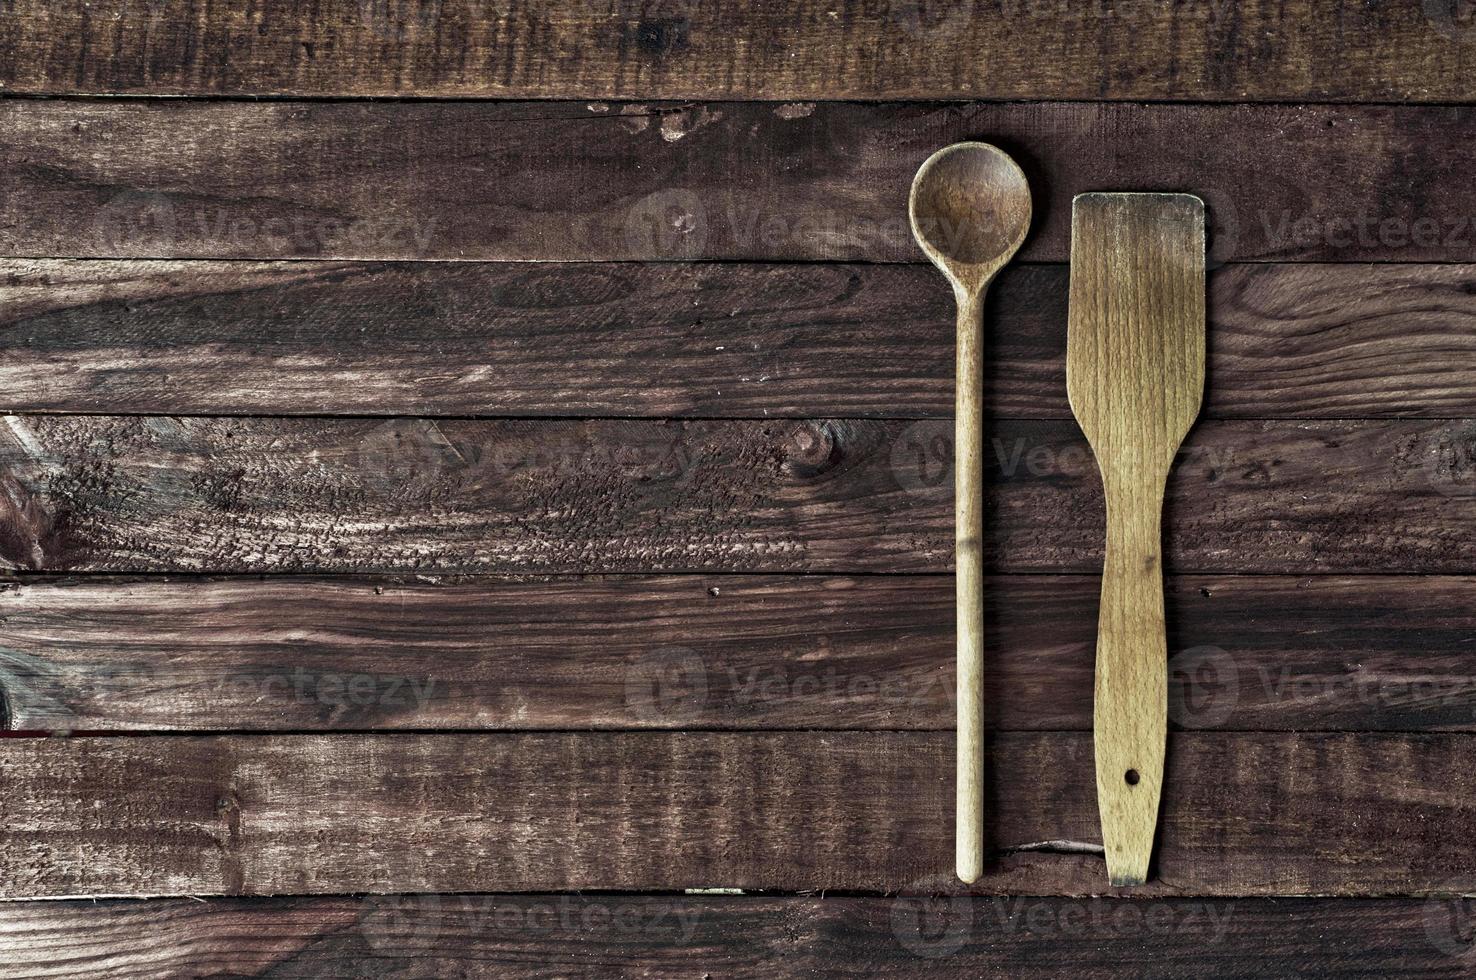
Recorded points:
(968, 489)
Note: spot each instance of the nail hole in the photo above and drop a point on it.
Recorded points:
(1131, 776)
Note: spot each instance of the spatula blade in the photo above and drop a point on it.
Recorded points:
(1135, 343)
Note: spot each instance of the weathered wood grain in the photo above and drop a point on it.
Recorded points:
(1254, 814)
(466, 180)
(181, 337)
(108, 493)
(767, 49)
(597, 936)
(723, 652)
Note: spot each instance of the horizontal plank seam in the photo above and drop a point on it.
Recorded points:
(1268, 260)
(754, 896)
(32, 576)
(656, 106)
(682, 419)
(744, 896)
(43, 575)
(695, 263)
(754, 733)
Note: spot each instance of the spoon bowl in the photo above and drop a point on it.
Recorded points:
(970, 210)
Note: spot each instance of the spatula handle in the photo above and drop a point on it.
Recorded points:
(968, 488)
(1130, 720)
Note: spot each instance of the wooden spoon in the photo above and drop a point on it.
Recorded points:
(970, 210)
(1135, 376)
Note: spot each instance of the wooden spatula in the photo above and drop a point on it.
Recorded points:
(1135, 376)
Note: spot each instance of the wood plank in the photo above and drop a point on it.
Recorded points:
(1257, 814)
(720, 652)
(745, 181)
(156, 494)
(767, 49)
(729, 340)
(504, 936)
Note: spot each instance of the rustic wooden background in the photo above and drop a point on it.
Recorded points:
(471, 535)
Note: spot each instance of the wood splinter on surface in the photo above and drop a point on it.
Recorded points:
(1135, 376)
